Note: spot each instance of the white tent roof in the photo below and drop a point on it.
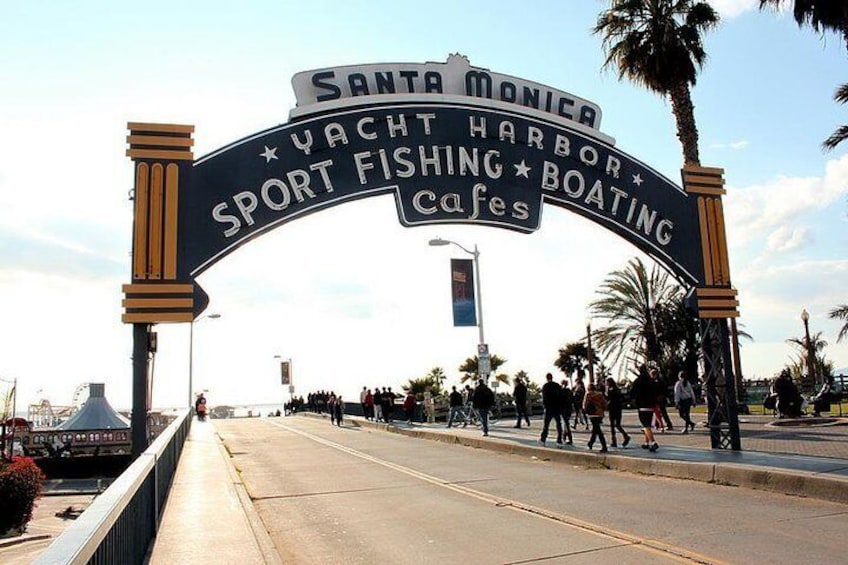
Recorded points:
(95, 414)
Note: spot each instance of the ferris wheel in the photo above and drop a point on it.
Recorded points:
(80, 396)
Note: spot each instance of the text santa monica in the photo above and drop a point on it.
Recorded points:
(456, 77)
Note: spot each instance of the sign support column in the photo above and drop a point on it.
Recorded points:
(716, 303)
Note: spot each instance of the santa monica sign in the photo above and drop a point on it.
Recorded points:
(450, 142)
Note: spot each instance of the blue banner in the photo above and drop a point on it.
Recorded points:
(462, 292)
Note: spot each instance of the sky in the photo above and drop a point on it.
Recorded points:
(348, 294)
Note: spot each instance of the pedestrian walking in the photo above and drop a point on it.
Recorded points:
(388, 405)
(363, 394)
(645, 398)
(331, 407)
(339, 408)
(662, 401)
(615, 405)
(369, 405)
(684, 399)
(579, 393)
(378, 404)
(455, 402)
(409, 406)
(483, 399)
(594, 404)
(519, 393)
(567, 404)
(551, 401)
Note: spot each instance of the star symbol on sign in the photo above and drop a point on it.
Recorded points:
(269, 154)
(637, 180)
(522, 170)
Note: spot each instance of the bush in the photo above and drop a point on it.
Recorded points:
(20, 485)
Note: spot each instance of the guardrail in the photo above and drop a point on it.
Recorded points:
(120, 523)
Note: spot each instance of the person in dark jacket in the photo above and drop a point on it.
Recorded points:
(579, 392)
(455, 401)
(483, 399)
(519, 393)
(551, 401)
(644, 396)
(615, 405)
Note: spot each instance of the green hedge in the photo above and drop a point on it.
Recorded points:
(20, 484)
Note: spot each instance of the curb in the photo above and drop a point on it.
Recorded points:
(832, 489)
(263, 539)
(24, 538)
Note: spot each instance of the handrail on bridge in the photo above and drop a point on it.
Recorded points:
(122, 521)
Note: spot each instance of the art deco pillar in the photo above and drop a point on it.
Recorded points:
(716, 301)
(162, 157)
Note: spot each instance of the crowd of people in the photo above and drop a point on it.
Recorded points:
(786, 400)
(587, 404)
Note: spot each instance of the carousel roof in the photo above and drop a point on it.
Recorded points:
(95, 414)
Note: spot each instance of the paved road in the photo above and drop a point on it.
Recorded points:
(359, 495)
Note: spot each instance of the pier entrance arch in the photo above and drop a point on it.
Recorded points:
(451, 143)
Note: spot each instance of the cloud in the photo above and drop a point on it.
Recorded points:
(735, 145)
(785, 238)
(755, 210)
(732, 8)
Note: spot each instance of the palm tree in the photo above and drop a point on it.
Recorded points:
(574, 357)
(841, 313)
(438, 375)
(629, 300)
(822, 16)
(817, 344)
(469, 368)
(657, 44)
(841, 133)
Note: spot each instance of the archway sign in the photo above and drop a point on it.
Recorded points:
(452, 143)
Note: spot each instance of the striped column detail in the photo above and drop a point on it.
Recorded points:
(167, 142)
(708, 184)
(717, 302)
(157, 150)
(152, 302)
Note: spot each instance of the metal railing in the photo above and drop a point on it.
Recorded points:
(120, 523)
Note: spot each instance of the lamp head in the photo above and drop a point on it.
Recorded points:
(438, 242)
(805, 316)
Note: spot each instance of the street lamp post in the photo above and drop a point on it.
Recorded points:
(191, 355)
(811, 357)
(291, 380)
(589, 352)
(475, 255)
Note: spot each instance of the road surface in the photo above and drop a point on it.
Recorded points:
(357, 495)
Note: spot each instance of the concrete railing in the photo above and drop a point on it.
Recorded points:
(120, 523)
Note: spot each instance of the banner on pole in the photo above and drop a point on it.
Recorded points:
(462, 292)
(285, 372)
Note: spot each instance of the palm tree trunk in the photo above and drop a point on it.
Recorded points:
(684, 114)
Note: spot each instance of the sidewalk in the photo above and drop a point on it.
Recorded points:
(208, 514)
